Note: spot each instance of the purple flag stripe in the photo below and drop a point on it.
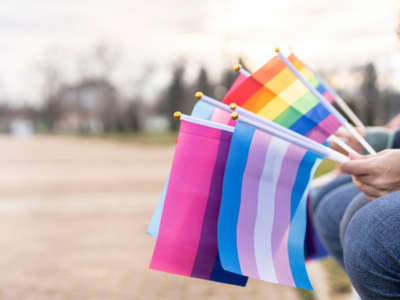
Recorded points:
(207, 251)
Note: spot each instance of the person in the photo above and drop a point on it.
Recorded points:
(357, 216)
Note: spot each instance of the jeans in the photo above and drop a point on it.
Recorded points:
(362, 236)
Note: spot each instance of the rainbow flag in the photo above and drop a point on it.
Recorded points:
(203, 111)
(313, 79)
(262, 220)
(276, 94)
(187, 238)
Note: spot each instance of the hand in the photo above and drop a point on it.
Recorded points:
(375, 175)
(349, 140)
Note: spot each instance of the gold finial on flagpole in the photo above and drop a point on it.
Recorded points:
(233, 106)
(177, 115)
(198, 95)
(277, 49)
(237, 67)
(234, 115)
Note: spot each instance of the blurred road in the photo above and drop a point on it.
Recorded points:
(73, 215)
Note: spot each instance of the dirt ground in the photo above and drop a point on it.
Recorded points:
(73, 215)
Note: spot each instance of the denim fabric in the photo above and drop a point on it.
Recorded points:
(372, 248)
(321, 192)
(363, 236)
(359, 201)
(329, 209)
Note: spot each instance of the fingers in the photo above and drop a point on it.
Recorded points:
(376, 181)
(337, 148)
(370, 191)
(361, 131)
(358, 165)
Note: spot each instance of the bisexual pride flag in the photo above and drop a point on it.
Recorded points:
(204, 111)
(187, 236)
(262, 220)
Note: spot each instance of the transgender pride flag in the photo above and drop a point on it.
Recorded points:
(262, 220)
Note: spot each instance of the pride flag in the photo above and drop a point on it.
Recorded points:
(311, 77)
(276, 94)
(262, 220)
(204, 111)
(187, 237)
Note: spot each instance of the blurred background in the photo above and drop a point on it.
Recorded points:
(87, 89)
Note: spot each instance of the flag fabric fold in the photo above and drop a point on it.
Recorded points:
(187, 237)
(262, 220)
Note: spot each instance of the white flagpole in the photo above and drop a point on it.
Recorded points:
(342, 144)
(327, 105)
(339, 100)
(179, 116)
(332, 138)
(251, 115)
(320, 149)
(238, 68)
(265, 122)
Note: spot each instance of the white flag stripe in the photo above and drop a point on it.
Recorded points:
(265, 212)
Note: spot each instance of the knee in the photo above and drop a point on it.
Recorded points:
(332, 207)
(324, 190)
(371, 248)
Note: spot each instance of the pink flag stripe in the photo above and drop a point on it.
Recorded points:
(224, 117)
(182, 220)
(326, 127)
(280, 231)
(248, 207)
(329, 97)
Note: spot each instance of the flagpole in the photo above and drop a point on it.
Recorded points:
(250, 115)
(327, 105)
(318, 149)
(332, 138)
(342, 144)
(266, 122)
(179, 116)
(239, 68)
(339, 100)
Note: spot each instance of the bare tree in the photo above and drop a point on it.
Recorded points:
(52, 80)
(101, 62)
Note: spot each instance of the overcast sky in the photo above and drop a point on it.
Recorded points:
(327, 34)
